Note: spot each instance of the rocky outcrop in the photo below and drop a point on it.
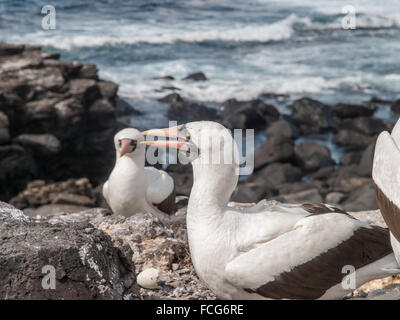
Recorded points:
(40, 260)
(39, 193)
(198, 76)
(282, 128)
(344, 110)
(254, 114)
(345, 183)
(352, 140)
(187, 111)
(312, 156)
(53, 111)
(275, 149)
(159, 248)
(311, 115)
(396, 106)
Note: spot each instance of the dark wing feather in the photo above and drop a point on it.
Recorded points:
(168, 205)
(389, 211)
(311, 279)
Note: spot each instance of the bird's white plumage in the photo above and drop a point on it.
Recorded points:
(386, 172)
(233, 250)
(396, 247)
(160, 185)
(132, 187)
(305, 240)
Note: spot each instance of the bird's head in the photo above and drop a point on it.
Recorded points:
(205, 142)
(212, 151)
(127, 143)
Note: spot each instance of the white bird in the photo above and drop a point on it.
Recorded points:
(132, 187)
(386, 176)
(270, 250)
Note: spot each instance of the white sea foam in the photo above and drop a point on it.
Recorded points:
(219, 90)
(164, 34)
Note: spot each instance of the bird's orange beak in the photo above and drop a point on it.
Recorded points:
(125, 147)
(171, 132)
(181, 145)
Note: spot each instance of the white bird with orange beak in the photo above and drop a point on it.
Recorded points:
(131, 187)
(269, 250)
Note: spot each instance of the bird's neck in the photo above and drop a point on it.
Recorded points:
(213, 185)
(131, 162)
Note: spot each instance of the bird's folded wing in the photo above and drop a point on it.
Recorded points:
(306, 261)
(160, 185)
(386, 176)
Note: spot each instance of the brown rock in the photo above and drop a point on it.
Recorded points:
(39, 193)
(198, 76)
(108, 89)
(312, 156)
(254, 114)
(344, 110)
(279, 173)
(86, 90)
(182, 110)
(350, 158)
(4, 129)
(309, 196)
(282, 128)
(334, 198)
(8, 49)
(275, 149)
(311, 114)
(352, 140)
(41, 144)
(362, 198)
(365, 125)
(396, 106)
(74, 199)
(88, 71)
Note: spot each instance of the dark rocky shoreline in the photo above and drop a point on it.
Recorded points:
(302, 172)
(57, 122)
(57, 119)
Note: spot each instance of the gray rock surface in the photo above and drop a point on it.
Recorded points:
(311, 115)
(184, 110)
(155, 244)
(312, 156)
(55, 112)
(86, 264)
(254, 114)
(275, 149)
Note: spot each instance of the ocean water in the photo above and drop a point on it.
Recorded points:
(245, 47)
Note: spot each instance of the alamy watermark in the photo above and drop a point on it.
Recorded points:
(49, 20)
(349, 281)
(49, 278)
(349, 20)
(212, 146)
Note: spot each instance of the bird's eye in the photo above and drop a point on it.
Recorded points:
(133, 143)
(119, 142)
(187, 135)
